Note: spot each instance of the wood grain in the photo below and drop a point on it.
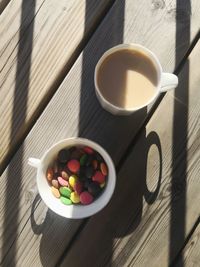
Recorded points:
(133, 230)
(3, 4)
(39, 40)
(75, 111)
(191, 253)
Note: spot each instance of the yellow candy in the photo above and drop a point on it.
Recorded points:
(72, 180)
(75, 197)
(102, 185)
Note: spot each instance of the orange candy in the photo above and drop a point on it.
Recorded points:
(49, 174)
(103, 168)
(73, 165)
(55, 192)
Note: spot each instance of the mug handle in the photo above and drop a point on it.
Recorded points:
(34, 162)
(168, 81)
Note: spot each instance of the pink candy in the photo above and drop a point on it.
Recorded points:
(86, 198)
(88, 150)
(62, 181)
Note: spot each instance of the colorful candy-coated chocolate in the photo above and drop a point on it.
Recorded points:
(95, 164)
(99, 157)
(75, 153)
(62, 181)
(55, 192)
(73, 165)
(55, 183)
(89, 172)
(49, 174)
(88, 150)
(63, 155)
(72, 180)
(87, 182)
(89, 160)
(55, 167)
(65, 200)
(103, 184)
(98, 177)
(86, 198)
(94, 189)
(103, 168)
(65, 191)
(78, 187)
(78, 175)
(75, 197)
(65, 175)
(83, 159)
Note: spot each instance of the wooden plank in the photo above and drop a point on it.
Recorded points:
(39, 40)
(191, 252)
(3, 4)
(74, 111)
(134, 229)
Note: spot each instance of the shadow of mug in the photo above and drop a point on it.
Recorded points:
(51, 229)
(153, 139)
(132, 187)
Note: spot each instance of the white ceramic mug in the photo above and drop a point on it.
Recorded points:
(166, 81)
(72, 211)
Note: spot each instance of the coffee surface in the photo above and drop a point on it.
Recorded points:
(127, 78)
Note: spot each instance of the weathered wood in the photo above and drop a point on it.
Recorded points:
(191, 252)
(133, 230)
(74, 111)
(3, 4)
(39, 40)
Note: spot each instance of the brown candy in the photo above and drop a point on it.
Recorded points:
(63, 155)
(55, 183)
(95, 164)
(56, 167)
(64, 175)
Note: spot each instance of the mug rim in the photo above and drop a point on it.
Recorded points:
(134, 46)
(75, 211)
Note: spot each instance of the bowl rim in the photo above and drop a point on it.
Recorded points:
(73, 211)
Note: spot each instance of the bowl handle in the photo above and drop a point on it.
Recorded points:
(34, 162)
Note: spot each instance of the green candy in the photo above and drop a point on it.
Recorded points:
(66, 201)
(83, 159)
(65, 191)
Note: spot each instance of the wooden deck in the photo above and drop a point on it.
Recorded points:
(48, 52)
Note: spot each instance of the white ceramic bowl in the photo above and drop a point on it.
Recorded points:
(72, 211)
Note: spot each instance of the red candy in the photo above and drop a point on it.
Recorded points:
(73, 165)
(88, 150)
(98, 177)
(78, 187)
(86, 198)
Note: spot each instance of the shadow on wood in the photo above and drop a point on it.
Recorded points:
(179, 176)
(19, 110)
